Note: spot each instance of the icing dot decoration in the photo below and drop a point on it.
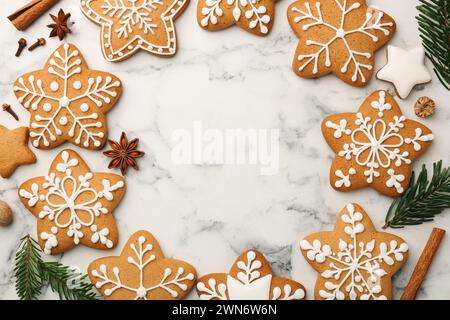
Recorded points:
(47, 107)
(84, 107)
(54, 86)
(77, 85)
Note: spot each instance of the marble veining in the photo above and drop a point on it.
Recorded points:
(208, 215)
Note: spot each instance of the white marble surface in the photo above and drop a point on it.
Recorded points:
(229, 79)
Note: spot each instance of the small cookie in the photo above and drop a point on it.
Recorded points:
(404, 69)
(339, 37)
(141, 272)
(68, 101)
(354, 261)
(250, 278)
(73, 205)
(255, 16)
(374, 146)
(14, 150)
(131, 25)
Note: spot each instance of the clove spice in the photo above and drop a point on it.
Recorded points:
(7, 108)
(22, 44)
(40, 42)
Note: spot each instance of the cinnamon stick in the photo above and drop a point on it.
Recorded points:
(26, 15)
(423, 264)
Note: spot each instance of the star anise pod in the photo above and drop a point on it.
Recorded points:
(124, 153)
(60, 26)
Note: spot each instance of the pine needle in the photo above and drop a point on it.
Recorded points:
(67, 282)
(423, 200)
(434, 28)
(33, 274)
(27, 269)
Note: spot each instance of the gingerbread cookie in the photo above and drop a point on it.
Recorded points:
(354, 261)
(131, 25)
(14, 150)
(255, 16)
(339, 37)
(141, 272)
(404, 69)
(374, 146)
(73, 205)
(250, 278)
(68, 101)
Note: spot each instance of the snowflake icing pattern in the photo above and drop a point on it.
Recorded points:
(257, 15)
(132, 15)
(143, 253)
(249, 283)
(360, 264)
(316, 52)
(130, 25)
(378, 142)
(68, 205)
(67, 101)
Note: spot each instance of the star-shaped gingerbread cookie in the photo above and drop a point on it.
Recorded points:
(354, 261)
(339, 37)
(131, 25)
(375, 146)
(73, 205)
(141, 272)
(14, 150)
(250, 278)
(68, 101)
(255, 16)
(405, 69)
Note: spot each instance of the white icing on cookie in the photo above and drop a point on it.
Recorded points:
(354, 268)
(376, 144)
(394, 180)
(249, 284)
(344, 179)
(405, 69)
(381, 104)
(142, 258)
(339, 129)
(54, 86)
(316, 18)
(419, 137)
(251, 10)
(45, 129)
(77, 85)
(61, 204)
(139, 22)
(256, 290)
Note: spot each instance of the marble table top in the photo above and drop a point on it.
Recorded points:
(209, 214)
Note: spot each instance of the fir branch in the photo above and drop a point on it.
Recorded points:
(67, 282)
(33, 274)
(423, 200)
(434, 28)
(27, 269)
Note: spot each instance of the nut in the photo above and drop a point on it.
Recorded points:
(424, 107)
(5, 214)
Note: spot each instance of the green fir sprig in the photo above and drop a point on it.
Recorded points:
(27, 269)
(423, 199)
(434, 28)
(33, 274)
